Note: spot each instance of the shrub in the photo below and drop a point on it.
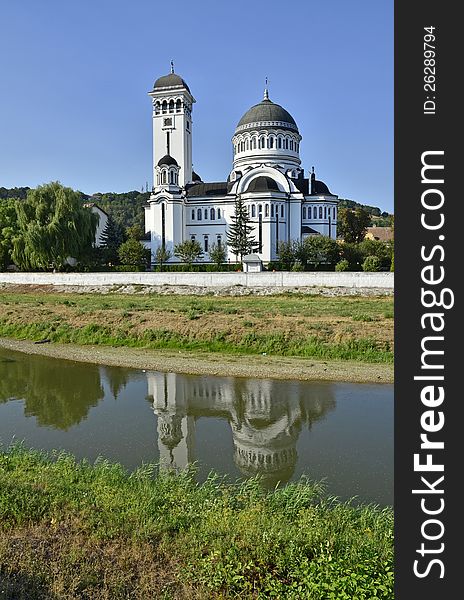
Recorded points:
(343, 265)
(371, 263)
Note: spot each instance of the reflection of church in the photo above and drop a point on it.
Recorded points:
(265, 419)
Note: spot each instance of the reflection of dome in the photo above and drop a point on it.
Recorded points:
(263, 184)
(170, 81)
(170, 430)
(273, 465)
(267, 112)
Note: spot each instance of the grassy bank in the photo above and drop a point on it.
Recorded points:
(338, 328)
(75, 530)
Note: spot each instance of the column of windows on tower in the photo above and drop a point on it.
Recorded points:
(167, 177)
(165, 107)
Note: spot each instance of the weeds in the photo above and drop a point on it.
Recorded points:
(99, 531)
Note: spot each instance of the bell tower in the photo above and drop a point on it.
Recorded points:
(172, 124)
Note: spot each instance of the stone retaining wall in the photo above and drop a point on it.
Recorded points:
(278, 279)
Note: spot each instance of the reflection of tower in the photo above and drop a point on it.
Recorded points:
(176, 429)
(265, 428)
(266, 417)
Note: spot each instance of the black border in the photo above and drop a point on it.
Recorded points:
(416, 133)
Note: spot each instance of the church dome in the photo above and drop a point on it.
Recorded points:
(167, 160)
(263, 184)
(267, 112)
(170, 81)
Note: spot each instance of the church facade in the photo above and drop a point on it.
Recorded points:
(266, 173)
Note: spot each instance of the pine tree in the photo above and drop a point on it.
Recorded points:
(239, 236)
(111, 238)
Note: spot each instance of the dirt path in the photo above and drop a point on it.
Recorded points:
(211, 363)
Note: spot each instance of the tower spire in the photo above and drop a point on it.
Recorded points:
(172, 66)
(266, 91)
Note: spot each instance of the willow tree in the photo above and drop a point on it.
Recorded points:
(53, 226)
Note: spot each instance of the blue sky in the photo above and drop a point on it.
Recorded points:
(75, 75)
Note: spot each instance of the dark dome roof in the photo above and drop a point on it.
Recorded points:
(320, 188)
(167, 160)
(169, 81)
(267, 111)
(263, 184)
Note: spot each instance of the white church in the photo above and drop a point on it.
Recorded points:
(266, 173)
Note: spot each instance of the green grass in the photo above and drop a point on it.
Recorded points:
(244, 335)
(96, 531)
(364, 349)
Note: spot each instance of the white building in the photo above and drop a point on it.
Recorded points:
(283, 204)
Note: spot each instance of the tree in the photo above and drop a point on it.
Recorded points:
(52, 226)
(317, 249)
(371, 263)
(111, 238)
(239, 236)
(8, 230)
(133, 253)
(217, 254)
(286, 251)
(162, 255)
(353, 224)
(188, 251)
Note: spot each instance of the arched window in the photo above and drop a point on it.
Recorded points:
(309, 212)
(171, 177)
(271, 142)
(282, 211)
(320, 212)
(178, 105)
(206, 243)
(304, 212)
(171, 106)
(260, 208)
(334, 212)
(212, 214)
(193, 214)
(247, 145)
(291, 144)
(325, 212)
(199, 214)
(272, 210)
(286, 143)
(219, 213)
(163, 177)
(261, 142)
(157, 108)
(219, 240)
(253, 210)
(279, 142)
(165, 107)
(266, 210)
(254, 143)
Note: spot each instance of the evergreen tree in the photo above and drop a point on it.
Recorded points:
(239, 236)
(111, 238)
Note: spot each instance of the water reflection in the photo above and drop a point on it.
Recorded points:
(58, 397)
(265, 416)
(236, 426)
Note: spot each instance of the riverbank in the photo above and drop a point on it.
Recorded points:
(197, 363)
(285, 336)
(74, 530)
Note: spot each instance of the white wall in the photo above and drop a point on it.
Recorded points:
(278, 279)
